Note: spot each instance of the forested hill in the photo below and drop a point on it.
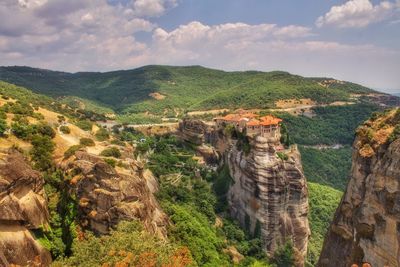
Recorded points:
(157, 88)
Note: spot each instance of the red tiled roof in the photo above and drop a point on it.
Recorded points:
(269, 120)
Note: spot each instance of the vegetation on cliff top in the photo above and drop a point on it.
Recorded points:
(133, 91)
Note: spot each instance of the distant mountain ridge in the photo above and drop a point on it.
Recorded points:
(159, 89)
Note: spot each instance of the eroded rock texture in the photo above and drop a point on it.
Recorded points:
(106, 197)
(269, 195)
(23, 207)
(366, 226)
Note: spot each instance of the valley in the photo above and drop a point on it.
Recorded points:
(262, 193)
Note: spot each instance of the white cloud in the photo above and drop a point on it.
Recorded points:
(91, 35)
(358, 14)
(152, 8)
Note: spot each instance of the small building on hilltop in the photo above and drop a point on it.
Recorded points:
(253, 124)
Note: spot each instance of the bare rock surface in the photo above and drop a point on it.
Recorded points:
(269, 196)
(106, 197)
(366, 225)
(23, 207)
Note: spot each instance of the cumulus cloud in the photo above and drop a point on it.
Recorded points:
(358, 14)
(84, 33)
(94, 35)
(152, 8)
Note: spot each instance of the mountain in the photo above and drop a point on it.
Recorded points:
(160, 88)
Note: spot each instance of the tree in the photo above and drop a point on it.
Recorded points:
(41, 152)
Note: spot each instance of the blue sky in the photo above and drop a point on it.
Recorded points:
(355, 40)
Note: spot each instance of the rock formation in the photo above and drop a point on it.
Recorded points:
(105, 196)
(269, 195)
(366, 226)
(23, 207)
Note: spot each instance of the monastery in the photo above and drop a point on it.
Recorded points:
(266, 126)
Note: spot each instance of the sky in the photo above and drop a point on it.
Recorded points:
(354, 40)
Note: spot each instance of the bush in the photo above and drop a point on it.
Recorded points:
(84, 125)
(128, 239)
(23, 131)
(41, 152)
(102, 135)
(284, 256)
(65, 129)
(111, 152)
(3, 127)
(282, 156)
(86, 142)
(71, 150)
(45, 129)
(111, 162)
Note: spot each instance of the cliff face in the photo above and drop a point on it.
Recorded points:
(366, 226)
(23, 207)
(269, 195)
(106, 197)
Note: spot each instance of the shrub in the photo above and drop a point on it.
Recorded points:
(282, 156)
(102, 134)
(3, 127)
(117, 142)
(45, 129)
(284, 256)
(65, 129)
(41, 152)
(128, 239)
(111, 162)
(71, 150)
(111, 152)
(84, 125)
(23, 131)
(86, 142)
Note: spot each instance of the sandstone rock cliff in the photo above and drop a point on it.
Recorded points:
(366, 226)
(269, 195)
(106, 197)
(23, 207)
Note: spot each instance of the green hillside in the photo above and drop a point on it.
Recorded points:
(189, 88)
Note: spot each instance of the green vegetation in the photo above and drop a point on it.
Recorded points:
(102, 135)
(128, 92)
(332, 125)
(3, 126)
(41, 153)
(65, 129)
(329, 167)
(323, 201)
(111, 152)
(282, 156)
(284, 256)
(71, 150)
(85, 125)
(84, 141)
(191, 204)
(128, 245)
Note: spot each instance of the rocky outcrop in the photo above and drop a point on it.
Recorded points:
(23, 207)
(269, 195)
(366, 225)
(106, 197)
(197, 131)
